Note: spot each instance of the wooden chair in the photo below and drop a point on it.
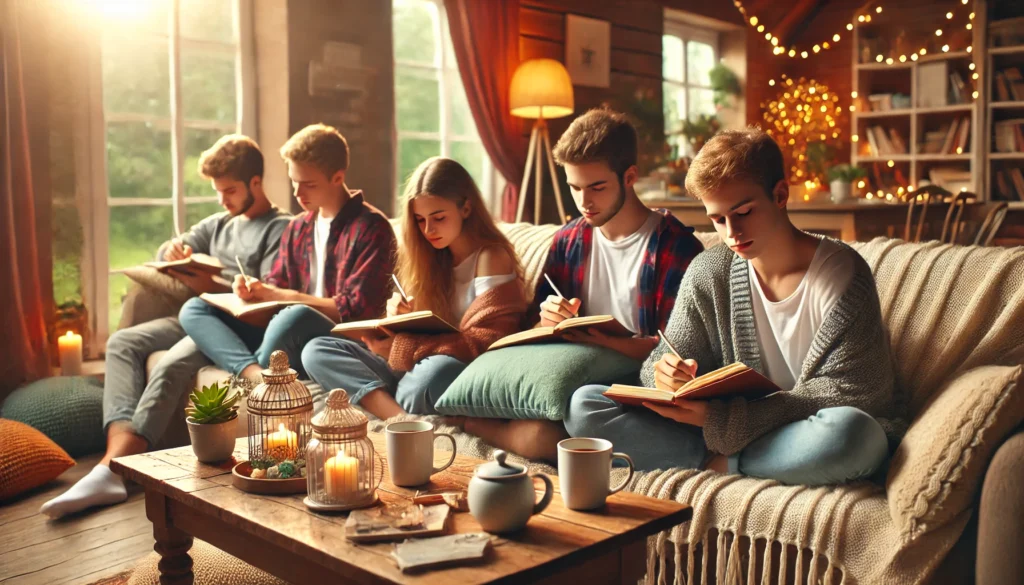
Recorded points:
(933, 195)
(996, 213)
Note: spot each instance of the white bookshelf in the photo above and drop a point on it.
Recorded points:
(996, 59)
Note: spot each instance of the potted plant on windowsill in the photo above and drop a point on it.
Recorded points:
(212, 420)
(841, 177)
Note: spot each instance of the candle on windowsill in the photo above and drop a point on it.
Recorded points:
(70, 346)
(341, 474)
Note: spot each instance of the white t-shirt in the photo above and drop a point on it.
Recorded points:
(321, 232)
(786, 328)
(468, 286)
(612, 280)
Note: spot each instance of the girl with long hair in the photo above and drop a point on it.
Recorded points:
(454, 261)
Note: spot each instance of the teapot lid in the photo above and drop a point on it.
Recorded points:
(499, 468)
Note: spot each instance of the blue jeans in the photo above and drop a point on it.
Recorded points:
(148, 402)
(233, 345)
(836, 445)
(342, 363)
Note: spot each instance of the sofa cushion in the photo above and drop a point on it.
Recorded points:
(937, 469)
(67, 409)
(533, 381)
(210, 566)
(28, 459)
(152, 296)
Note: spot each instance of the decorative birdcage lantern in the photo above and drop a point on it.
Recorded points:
(279, 412)
(340, 459)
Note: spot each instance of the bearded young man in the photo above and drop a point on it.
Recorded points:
(136, 411)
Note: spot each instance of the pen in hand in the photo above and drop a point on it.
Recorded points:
(241, 271)
(401, 290)
(672, 349)
(555, 288)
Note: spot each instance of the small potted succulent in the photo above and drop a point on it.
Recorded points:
(212, 422)
(841, 177)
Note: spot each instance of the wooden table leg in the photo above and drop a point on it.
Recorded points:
(172, 544)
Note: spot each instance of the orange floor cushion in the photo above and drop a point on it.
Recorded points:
(28, 459)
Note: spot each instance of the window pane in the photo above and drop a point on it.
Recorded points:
(700, 58)
(672, 58)
(136, 232)
(135, 76)
(67, 253)
(702, 101)
(209, 20)
(129, 17)
(194, 212)
(413, 25)
(460, 118)
(138, 160)
(471, 155)
(417, 104)
(675, 107)
(196, 141)
(208, 86)
(411, 152)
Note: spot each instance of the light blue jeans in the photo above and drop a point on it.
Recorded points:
(836, 445)
(148, 402)
(232, 345)
(333, 363)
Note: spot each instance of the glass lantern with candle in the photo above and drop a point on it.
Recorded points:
(279, 413)
(340, 459)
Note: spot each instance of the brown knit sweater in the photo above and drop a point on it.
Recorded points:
(491, 316)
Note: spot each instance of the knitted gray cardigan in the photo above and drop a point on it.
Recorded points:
(849, 362)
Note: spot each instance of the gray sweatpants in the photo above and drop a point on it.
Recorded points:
(127, 396)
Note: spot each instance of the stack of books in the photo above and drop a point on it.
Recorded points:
(1009, 135)
(1009, 85)
(951, 138)
(885, 142)
(1010, 184)
(952, 179)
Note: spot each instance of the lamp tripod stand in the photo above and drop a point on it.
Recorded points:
(540, 149)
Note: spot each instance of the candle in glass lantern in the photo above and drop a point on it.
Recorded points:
(282, 443)
(70, 346)
(341, 474)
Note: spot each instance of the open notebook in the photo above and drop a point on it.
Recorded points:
(736, 379)
(603, 323)
(194, 263)
(424, 322)
(257, 314)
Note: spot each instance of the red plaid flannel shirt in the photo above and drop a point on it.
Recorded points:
(360, 259)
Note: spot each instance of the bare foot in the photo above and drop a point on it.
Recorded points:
(381, 404)
(532, 439)
(253, 372)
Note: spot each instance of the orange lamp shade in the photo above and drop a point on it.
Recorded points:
(541, 88)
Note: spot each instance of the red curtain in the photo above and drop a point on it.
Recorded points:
(26, 281)
(485, 36)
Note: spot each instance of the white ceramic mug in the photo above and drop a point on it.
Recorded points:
(584, 472)
(411, 452)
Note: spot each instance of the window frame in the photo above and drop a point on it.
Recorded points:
(441, 69)
(96, 259)
(689, 33)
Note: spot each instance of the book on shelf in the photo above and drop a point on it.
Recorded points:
(949, 142)
(254, 313)
(422, 322)
(1015, 83)
(952, 179)
(1002, 87)
(884, 142)
(957, 88)
(932, 79)
(606, 324)
(1018, 182)
(736, 379)
(932, 143)
(963, 136)
(880, 102)
(1008, 137)
(896, 140)
(1002, 186)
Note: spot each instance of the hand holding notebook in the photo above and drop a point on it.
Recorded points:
(734, 380)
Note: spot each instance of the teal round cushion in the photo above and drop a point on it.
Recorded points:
(67, 409)
(533, 381)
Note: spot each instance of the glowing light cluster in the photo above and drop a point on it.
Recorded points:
(804, 112)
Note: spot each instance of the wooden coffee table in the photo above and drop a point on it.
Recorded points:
(186, 499)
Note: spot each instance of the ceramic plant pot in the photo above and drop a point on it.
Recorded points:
(213, 443)
(841, 191)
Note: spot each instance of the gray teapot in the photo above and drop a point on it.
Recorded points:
(501, 495)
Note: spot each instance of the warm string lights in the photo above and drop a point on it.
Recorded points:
(921, 52)
(803, 113)
(792, 52)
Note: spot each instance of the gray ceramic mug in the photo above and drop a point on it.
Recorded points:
(584, 472)
(411, 452)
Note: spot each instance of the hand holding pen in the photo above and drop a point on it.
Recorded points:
(556, 308)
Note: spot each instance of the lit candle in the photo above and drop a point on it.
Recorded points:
(341, 474)
(282, 443)
(70, 346)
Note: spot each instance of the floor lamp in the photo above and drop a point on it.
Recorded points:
(540, 89)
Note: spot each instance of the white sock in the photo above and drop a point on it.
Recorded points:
(99, 487)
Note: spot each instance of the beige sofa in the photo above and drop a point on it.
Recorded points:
(951, 504)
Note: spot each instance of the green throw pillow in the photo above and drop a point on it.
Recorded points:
(67, 409)
(533, 381)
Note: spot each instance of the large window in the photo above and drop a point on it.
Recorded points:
(432, 115)
(688, 55)
(172, 81)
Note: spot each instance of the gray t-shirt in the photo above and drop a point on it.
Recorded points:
(255, 241)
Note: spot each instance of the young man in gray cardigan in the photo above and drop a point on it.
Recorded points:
(801, 309)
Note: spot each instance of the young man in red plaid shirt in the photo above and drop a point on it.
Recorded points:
(336, 259)
(629, 267)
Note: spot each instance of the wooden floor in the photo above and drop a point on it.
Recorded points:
(81, 549)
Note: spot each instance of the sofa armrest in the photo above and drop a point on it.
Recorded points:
(1001, 516)
(142, 304)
